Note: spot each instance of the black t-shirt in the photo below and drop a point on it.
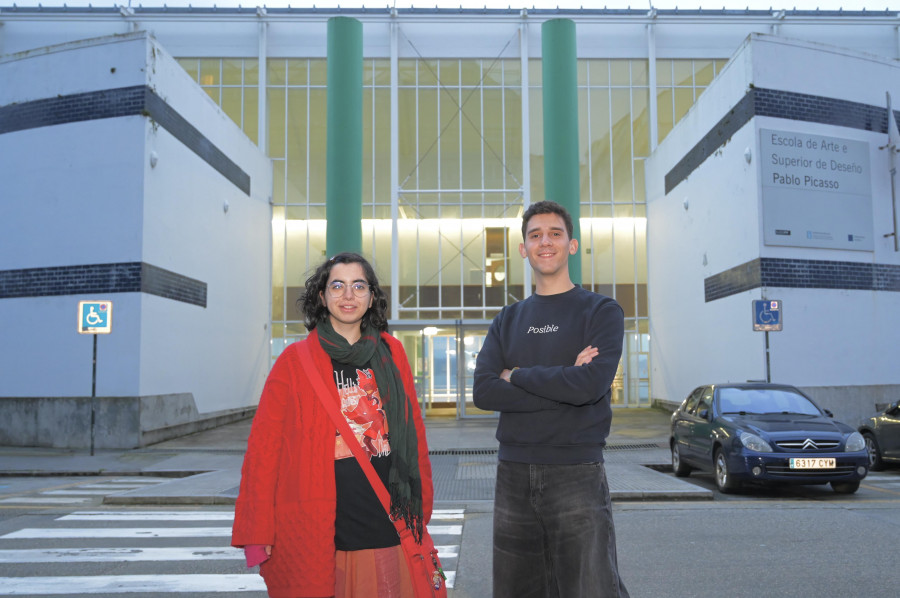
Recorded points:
(361, 521)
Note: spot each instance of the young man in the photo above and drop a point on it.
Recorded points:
(547, 365)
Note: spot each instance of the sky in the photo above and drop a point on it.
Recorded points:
(876, 5)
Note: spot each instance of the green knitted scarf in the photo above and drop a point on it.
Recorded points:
(404, 481)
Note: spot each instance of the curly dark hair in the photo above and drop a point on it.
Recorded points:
(547, 207)
(310, 302)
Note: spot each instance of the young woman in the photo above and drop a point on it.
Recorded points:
(306, 510)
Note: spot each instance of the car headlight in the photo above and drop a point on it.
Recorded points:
(755, 443)
(855, 442)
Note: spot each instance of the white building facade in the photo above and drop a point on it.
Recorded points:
(453, 150)
(124, 182)
(777, 186)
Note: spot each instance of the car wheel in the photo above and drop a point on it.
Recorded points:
(681, 469)
(875, 462)
(725, 482)
(845, 487)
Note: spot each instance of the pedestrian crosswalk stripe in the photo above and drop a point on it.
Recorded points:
(44, 500)
(97, 555)
(148, 516)
(123, 532)
(447, 552)
(77, 492)
(448, 515)
(113, 486)
(120, 584)
(141, 480)
(158, 532)
(117, 584)
(450, 530)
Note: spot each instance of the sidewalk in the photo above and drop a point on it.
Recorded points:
(205, 467)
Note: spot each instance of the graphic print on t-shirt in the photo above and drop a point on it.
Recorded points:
(361, 406)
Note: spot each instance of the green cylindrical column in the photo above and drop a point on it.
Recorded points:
(560, 94)
(343, 177)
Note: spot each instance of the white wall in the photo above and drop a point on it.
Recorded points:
(87, 193)
(840, 339)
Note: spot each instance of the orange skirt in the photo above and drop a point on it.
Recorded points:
(375, 573)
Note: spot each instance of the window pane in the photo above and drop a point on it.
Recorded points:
(382, 72)
(318, 71)
(535, 72)
(276, 109)
(494, 169)
(278, 239)
(251, 71)
(639, 73)
(621, 147)
(232, 71)
(581, 70)
(640, 194)
(278, 184)
(664, 108)
(449, 143)
(601, 167)
(276, 72)
(664, 73)
(406, 72)
(640, 232)
(297, 71)
(513, 133)
(471, 142)
(683, 72)
(620, 72)
(641, 121)
(251, 113)
(209, 71)
(191, 66)
(214, 93)
(512, 72)
(297, 137)
(406, 143)
(428, 72)
(684, 99)
(317, 145)
(470, 72)
(427, 162)
(703, 72)
(231, 103)
(449, 72)
(599, 72)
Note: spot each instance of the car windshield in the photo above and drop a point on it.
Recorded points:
(764, 400)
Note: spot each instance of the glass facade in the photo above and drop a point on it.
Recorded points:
(463, 179)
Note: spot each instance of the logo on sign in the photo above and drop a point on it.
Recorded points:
(767, 315)
(94, 317)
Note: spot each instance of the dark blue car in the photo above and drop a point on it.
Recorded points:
(768, 433)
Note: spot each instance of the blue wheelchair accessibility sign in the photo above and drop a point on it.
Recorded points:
(94, 317)
(767, 315)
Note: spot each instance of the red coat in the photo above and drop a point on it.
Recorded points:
(287, 494)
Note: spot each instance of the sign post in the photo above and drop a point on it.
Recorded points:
(94, 317)
(767, 317)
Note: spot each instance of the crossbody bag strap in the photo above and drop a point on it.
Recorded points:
(349, 437)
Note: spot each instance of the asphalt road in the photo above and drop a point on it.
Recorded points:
(802, 541)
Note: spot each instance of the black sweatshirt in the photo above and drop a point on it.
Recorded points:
(551, 411)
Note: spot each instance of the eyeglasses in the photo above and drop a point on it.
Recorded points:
(336, 289)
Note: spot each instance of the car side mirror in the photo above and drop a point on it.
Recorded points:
(894, 406)
(829, 413)
(704, 413)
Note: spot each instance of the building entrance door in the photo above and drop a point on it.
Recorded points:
(442, 357)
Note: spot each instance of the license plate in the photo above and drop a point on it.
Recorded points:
(807, 463)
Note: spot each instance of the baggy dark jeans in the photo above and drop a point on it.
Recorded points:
(553, 533)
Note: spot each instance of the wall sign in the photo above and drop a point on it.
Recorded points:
(816, 191)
